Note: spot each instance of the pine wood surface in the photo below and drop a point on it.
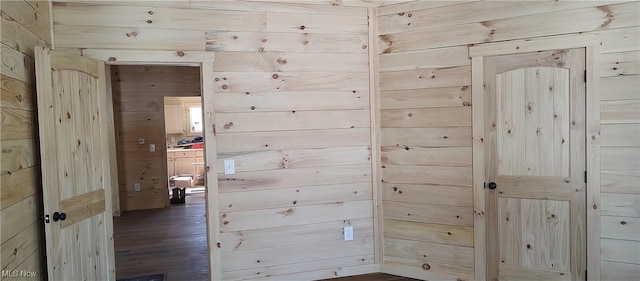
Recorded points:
(172, 241)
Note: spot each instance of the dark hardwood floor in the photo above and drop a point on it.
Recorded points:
(173, 242)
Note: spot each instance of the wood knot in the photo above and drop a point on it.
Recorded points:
(112, 59)
(224, 87)
(149, 21)
(364, 47)
(595, 206)
(180, 53)
(426, 266)
(623, 222)
(466, 103)
(253, 107)
(264, 40)
(228, 125)
(401, 14)
(150, 12)
(234, 37)
(281, 61)
(218, 244)
(305, 42)
(275, 76)
(410, 114)
(409, 15)
(302, 27)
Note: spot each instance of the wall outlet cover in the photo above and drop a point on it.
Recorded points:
(229, 167)
(348, 233)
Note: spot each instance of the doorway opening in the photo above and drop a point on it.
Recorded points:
(159, 144)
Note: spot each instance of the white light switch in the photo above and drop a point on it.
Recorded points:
(152, 147)
(229, 167)
(136, 186)
(348, 233)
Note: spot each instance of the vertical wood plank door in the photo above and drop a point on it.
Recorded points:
(535, 162)
(72, 107)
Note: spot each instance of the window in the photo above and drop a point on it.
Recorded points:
(195, 119)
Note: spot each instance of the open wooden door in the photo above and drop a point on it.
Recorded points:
(76, 179)
(535, 165)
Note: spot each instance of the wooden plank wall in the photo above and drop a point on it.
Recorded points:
(292, 106)
(25, 24)
(426, 117)
(139, 93)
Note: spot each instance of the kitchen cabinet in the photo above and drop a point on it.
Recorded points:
(173, 119)
(180, 162)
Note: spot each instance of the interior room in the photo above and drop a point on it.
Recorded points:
(363, 139)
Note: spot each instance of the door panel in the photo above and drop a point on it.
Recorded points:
(72, 108)
(535, 154)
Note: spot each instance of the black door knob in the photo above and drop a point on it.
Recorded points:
(492, 185)
(59, 216)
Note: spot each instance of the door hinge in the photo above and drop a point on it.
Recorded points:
(585, 76)
(585, 176)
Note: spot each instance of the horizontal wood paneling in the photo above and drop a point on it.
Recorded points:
(622, 228)
(439, 253)
(261, 141)
(236, 221)
(425, 117)
(287, 62)
(417, 231)
(336, 266)
(237, 41)
(619, 271)
(16, 94)
(291, 101)
(18, 185)
(294, 120)
(294, 235)
(158, 17)
(426, 98)
(296, 196)
(620, 181)
(620, 251)
(283, 178)
(290, 81)
(582, 20)
(445, 175)
(425, 78)
(428, 194)
(620, 205)
(97, 37)
(435, 156)
(295, 254)
(24, 24)
(426, 213)
(438, 137)
(292, 159)
(619, 64)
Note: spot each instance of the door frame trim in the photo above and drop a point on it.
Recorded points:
(205, 61)
(591, 42)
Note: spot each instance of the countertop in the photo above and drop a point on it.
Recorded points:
(183, 149)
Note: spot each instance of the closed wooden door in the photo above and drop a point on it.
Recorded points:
(72, 115)
(535, 165)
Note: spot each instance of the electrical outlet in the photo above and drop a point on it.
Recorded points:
(229, 167)
(348, 233)
(136, 186)
(152, 147)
